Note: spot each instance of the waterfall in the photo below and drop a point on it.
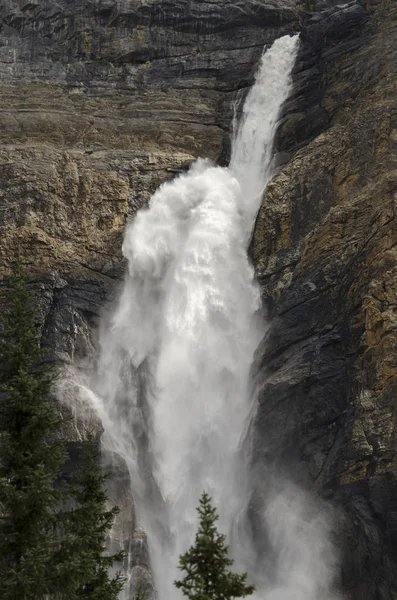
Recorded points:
(252, 146)
(172, 385)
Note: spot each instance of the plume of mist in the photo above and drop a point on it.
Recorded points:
(304, 560)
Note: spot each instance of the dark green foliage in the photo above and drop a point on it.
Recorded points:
(52, 538)
(83, 565)
(30, 456)
(206, 563)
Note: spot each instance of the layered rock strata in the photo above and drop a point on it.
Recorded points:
(101, 101)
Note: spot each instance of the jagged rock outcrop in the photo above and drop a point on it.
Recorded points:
(101, 101)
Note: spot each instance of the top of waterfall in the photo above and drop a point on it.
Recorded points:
(252, 146)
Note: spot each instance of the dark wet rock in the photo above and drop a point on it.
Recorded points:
(327, 36)
(324, 250)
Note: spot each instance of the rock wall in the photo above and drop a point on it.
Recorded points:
(101, 101)
(324, 249)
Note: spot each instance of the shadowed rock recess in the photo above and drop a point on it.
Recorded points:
(102, 100)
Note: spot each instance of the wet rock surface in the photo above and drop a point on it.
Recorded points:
(324, 248)
(102, 101)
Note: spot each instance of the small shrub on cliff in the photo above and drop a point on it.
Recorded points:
(206, 563)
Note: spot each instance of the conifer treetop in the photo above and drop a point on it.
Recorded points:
(206, 563)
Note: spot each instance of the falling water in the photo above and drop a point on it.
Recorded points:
(252, 146)
(172, 386)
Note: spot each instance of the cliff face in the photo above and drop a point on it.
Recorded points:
(101, 101)
(324, 248)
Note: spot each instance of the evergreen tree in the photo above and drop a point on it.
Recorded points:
(30, 456)
(83, 572)
(206, 563)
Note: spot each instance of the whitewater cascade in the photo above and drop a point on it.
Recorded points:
(172, 384)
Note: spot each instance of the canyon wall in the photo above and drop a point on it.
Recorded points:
(101, 101)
